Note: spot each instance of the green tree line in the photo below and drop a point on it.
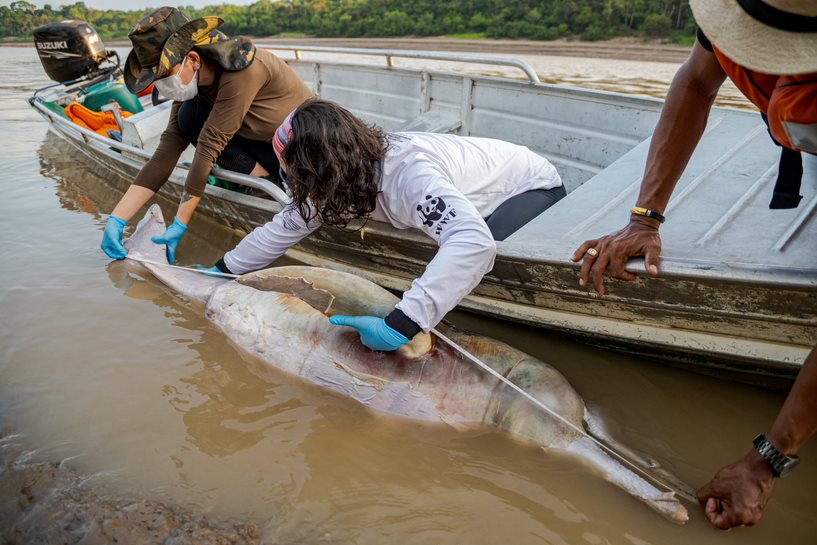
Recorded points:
(531, 19)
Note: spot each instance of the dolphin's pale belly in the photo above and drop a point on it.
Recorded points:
(292, 336)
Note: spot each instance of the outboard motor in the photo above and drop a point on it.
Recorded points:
(69, 49)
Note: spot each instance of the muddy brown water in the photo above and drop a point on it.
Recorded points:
(135, 391)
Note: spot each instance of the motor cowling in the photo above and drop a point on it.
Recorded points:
(69, 49)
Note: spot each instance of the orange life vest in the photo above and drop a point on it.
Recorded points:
(99, 122)
(789, 102)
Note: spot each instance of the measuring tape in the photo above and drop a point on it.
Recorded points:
(189, 269)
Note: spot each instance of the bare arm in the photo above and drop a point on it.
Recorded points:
(187, 205)
(797, 420)
(680, 127)
(738, 493)
(134, 198)
(682, 123)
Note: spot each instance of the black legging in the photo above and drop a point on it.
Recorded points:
(517, 211)
(240, 154)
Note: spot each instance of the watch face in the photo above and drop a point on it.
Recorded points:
(788, 465)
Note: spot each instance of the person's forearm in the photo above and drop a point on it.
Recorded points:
(797, 419)
(134, 198)
(682, 123)
(268, 242)
(187, 206)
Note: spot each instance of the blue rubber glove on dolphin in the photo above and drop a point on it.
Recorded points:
(374, 332)
(213, 271)
(171, 238)
(112, 238)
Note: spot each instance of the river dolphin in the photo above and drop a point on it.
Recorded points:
(280, 316)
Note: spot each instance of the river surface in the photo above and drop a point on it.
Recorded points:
(133, 387)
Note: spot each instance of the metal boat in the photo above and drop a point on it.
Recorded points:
(737, 291)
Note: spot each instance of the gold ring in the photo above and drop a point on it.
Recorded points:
(593, 252)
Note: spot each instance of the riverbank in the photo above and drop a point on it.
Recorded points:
(631, 49)
(619, 48)
(46, 502)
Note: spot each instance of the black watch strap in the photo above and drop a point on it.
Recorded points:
(781, 464)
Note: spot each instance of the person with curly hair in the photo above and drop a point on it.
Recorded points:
(463, 192)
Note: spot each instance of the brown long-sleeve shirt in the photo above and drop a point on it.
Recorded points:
(252, 102)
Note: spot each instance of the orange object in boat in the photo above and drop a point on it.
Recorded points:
(99, 122)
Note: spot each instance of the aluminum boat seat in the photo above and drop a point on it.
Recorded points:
(144, 129)
(146, 126)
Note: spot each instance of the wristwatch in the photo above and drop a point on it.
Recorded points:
(781, 464)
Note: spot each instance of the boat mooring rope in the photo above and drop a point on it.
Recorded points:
(490, 370)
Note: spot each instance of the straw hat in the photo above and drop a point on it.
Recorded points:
(771, 36)
(162, 39)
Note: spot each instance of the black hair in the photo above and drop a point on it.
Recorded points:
(331, 160)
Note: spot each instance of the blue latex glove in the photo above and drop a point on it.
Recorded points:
(112, 238)
(374, 332)
(171, 238)
(213, 269)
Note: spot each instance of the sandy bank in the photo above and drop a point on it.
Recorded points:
(46, 502)
(619, 48)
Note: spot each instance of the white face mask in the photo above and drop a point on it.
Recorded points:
(173, 88)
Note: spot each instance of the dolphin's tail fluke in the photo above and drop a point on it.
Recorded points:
(664, 502)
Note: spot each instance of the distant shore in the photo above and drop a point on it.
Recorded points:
(632, 49)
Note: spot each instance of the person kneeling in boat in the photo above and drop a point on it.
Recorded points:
(228, 99)
(465, 193)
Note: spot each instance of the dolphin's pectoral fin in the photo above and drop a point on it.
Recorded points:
(320, 300)
(139, 244)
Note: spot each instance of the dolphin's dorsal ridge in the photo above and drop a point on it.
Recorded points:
(320, 300)
(351, 295)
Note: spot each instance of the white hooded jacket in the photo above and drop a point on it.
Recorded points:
(443, 185)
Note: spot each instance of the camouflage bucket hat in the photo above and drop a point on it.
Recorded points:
(162, 39)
